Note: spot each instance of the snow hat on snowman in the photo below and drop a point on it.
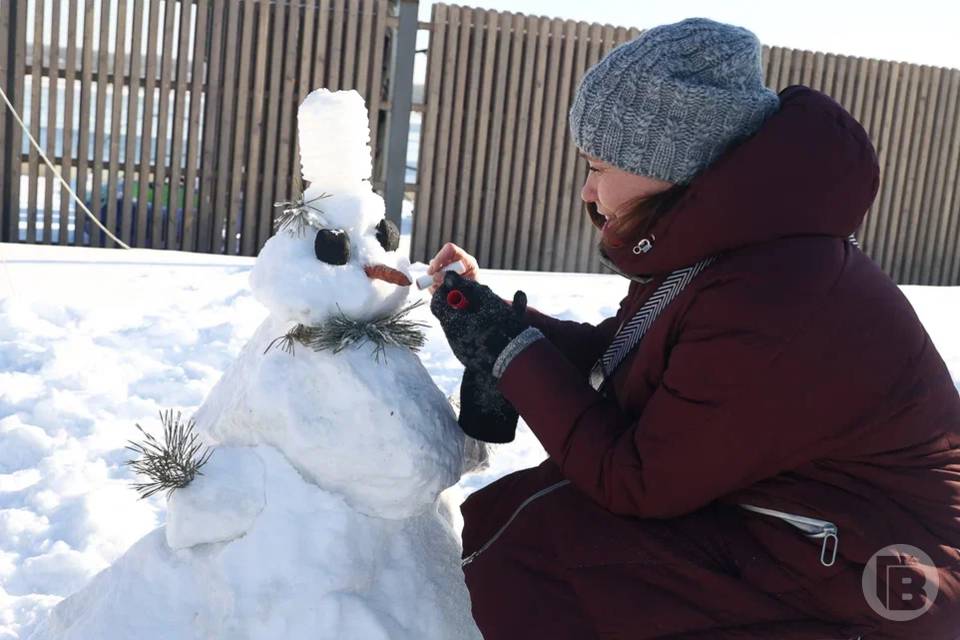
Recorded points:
(666, 104)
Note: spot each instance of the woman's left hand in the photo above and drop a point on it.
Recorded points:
(478, 323)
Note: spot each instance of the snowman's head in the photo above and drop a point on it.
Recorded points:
(337, 253)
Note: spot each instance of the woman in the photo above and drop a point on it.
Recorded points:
(784, 418)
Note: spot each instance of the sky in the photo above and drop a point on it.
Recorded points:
(918, 31)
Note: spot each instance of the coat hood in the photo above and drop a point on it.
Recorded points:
(809, 170)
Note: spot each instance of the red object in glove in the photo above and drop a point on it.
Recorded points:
(456, 299)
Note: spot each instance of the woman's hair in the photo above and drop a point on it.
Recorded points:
(642, 213)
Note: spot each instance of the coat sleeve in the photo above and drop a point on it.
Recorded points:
(713, 425)
(580, 342)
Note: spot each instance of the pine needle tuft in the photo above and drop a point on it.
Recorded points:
(340, 332)
(172, 464)
(298, 216)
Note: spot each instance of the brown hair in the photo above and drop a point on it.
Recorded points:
(643, 213)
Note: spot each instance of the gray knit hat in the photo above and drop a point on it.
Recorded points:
(666, 104)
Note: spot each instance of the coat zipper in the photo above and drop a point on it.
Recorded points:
(523, 505)
(812, 527)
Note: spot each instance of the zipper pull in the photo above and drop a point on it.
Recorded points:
(829, 534)
(644, 245)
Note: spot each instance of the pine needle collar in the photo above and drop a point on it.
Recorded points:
(339, 332)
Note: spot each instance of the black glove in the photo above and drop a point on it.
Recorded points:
(477, 322)
(484, 413)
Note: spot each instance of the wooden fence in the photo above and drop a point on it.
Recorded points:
(499, 175)
(173, 119)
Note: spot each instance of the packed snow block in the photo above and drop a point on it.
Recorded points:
(334, 139)
(221, 503)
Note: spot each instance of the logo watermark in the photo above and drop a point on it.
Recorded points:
(900, 582)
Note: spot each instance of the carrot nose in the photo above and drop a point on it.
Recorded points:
(456, 299)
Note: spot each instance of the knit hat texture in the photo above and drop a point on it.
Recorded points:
(668, 103)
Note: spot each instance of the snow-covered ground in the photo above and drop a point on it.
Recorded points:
(93, 341)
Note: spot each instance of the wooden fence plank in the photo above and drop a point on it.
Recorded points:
(97, 237)
(525, 41)
(548, 134)
(304, 85)
(903, 134)
(132, 130)
(274, 96)
(70, 75)
(428, 134)
(240, 207)
(884, 112)
(287, 132)
(116, 119)
(209, 169)
(181, 77)
(7, 151)
(34, 123)
(227, 133)
(334, 79)
(349, 79)
(838, 87)
(159, 185)
(531, 209)
(930, 212)
(773, 69)
(145, 233)
(916, 218)
(905, 214)
(18, 99)
(83, 135)
(948, 241)
(575, 45)
(321, 61)
(374, 96)
(494, 151)
(786, 67)
(439, 214)
(368, 40)
(268, 13)
(454, 209)
(809, 63)
(53, 93)
(465, 229)
(195, 132)
(485, 51)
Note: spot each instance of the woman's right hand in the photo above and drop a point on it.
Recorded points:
(447, 255)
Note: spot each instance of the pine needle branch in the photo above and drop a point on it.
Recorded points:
(172, 464)
(298, 216)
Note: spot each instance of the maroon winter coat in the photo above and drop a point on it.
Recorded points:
(792, 374)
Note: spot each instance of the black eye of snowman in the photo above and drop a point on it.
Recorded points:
(332, 246)
(388, 235)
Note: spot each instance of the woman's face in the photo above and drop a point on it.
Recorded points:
(614, 191)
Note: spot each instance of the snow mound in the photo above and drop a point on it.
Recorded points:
(308, 567)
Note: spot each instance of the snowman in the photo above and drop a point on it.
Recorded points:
(319, 513)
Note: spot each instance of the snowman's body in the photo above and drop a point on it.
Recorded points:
(318, 515)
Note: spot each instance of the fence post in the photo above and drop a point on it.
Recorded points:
(400, 95)
(7, 40)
